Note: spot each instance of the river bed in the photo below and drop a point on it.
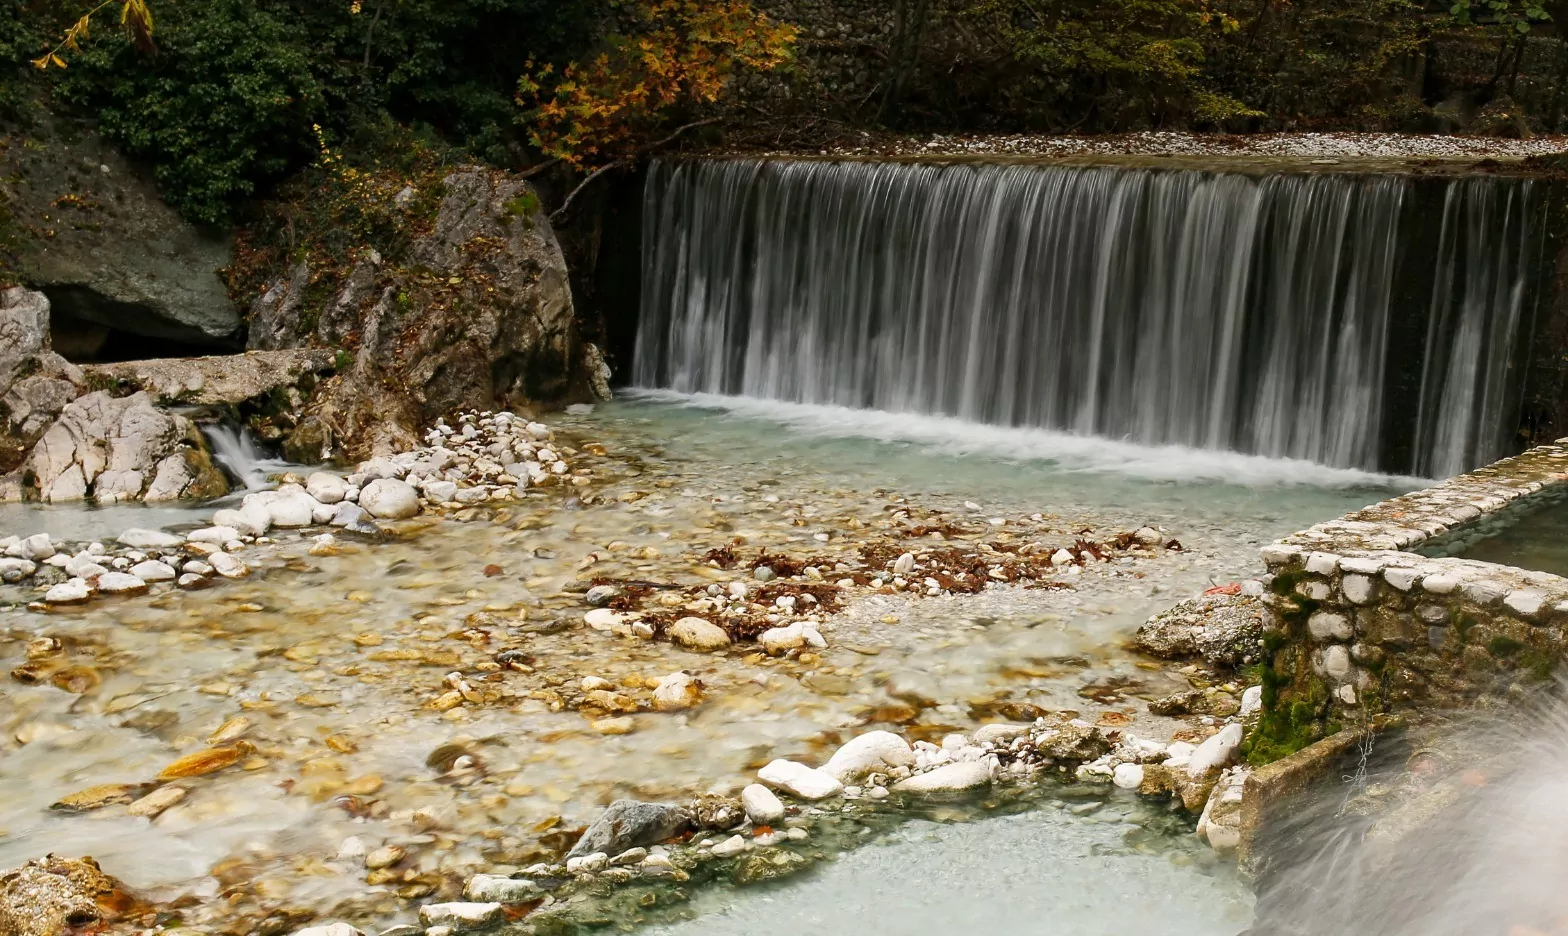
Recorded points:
(331, 667)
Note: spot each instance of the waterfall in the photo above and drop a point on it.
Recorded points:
(236, 450)
(1216, 310)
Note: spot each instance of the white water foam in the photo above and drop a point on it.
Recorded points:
(1065, 451)
(237, 450)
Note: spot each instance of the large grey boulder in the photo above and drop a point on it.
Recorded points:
(115, 256)
(34, 390)
(116, 449)
(629, 824)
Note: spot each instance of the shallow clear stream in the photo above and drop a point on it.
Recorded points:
(334, 661)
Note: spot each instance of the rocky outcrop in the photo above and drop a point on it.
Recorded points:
(110, 252)
(35, 383)
(223, 380)
(116, 449)
(476, 311)
(34, 390)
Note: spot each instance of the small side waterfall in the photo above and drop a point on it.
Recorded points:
(238, 453)
(1212, 310)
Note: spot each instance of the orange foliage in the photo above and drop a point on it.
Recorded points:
(683, 55)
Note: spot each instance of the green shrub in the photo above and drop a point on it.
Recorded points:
(225, 107)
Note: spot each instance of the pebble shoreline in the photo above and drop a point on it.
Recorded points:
(485, 458)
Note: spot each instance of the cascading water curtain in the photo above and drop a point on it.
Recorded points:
(1215, 310)
(1478, 296)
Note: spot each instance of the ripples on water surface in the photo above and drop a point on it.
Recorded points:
(333, 660)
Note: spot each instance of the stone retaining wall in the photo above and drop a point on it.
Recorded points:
(1366, 616)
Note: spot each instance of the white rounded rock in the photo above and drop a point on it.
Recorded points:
(216, 535)
(36, 547)
(948, 778)
(330, 929)
(777, 641)
(875, 751)
(808, 783)
(389, 499)
(1128, 776)
(14, 570)
(228, 566)
(326, 487)
(440, 492)
(1216, 752)
(496, 888)
(461, 916)
(761, 805)
(121, 583)
(348, 514)
(150, 539)
(675, 692)
(695, 633)
(731, 846)
(153, 571)
(74, 591)
(292, 511)
(1251, 701)
(236, 520)
(604, 619)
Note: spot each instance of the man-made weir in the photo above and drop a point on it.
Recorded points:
(1376, 321)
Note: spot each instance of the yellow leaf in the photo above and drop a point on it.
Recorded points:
(57, 60)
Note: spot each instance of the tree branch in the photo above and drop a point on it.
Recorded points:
(584, 184)
(532, 171)
(618, 163)
(691, 126)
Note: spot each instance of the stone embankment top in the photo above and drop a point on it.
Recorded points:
(1406, 522)
(1262, 151)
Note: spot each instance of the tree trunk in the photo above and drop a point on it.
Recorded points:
(908, 29)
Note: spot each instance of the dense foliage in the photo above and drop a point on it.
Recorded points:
(237, 90)
(1236, 65)
(239, 94)
(1144, 61)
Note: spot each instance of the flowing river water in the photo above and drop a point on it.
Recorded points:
(327, 666)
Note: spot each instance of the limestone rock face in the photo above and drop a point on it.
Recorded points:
(230, 379)
(24, 321)
(118, 449)
(34, 389)
(476, 311)
(118, 256)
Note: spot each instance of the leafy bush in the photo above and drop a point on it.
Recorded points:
(225, 106)
(231, 101)
(20, 38)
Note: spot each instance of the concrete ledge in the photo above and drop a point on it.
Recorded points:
(1267, 787)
